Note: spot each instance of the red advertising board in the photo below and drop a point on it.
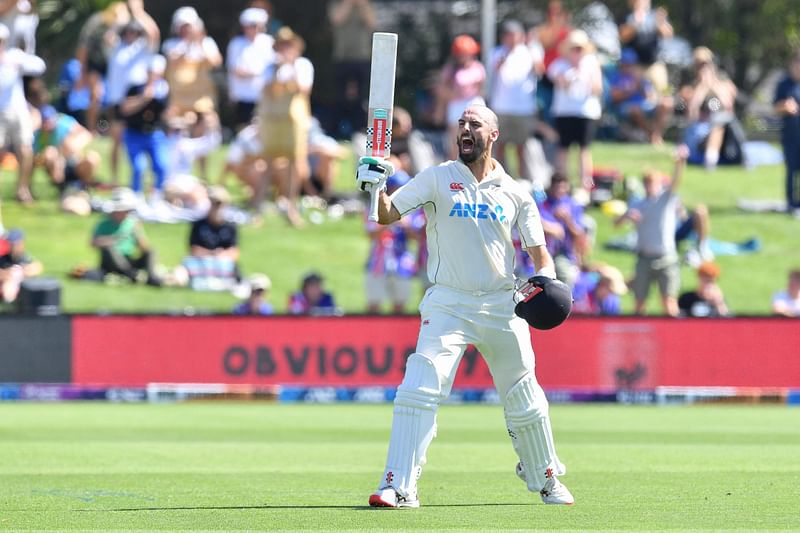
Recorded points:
(356, 351)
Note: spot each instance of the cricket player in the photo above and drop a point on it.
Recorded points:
(471, 205)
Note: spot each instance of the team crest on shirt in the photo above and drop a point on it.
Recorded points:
(456, 186)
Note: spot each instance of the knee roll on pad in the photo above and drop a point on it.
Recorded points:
(421, 387)
(528, 419)
(413, 425)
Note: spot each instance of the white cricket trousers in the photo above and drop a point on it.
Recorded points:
(453, 319)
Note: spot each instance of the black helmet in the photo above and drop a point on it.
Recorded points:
(546, 304)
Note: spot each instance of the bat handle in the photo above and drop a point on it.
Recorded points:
(374, 194)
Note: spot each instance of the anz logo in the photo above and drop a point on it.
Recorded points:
(477, 211)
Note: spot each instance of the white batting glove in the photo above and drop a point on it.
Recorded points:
(372, 173)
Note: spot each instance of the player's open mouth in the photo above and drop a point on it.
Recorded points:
(467, 145)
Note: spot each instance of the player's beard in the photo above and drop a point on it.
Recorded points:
(478, 147)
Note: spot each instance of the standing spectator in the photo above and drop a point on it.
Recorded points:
(16, 129)
(655, 217)
(787, 303)
(643, 30)
(273, 23)
(142, 111)
(707, 299)
(634, 98)
(562, 219)
(787, 105)
(576, 107)
(353, 22)
(213, 236)
(96, 43)
(139, 40)
(191, 56)
(285, 119)
(61, 145)
(513, 94)
(15, 265)
(710, 102)
(391, 265)
(256, 303)
(460, 85)
(122, 242)
(20, 17)
(312, 298)
(550, 35)
(248, 56)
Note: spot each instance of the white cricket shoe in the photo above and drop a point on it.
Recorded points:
(388, 497)
(554, 492)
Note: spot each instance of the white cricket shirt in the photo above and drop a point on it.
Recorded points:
(469, 224)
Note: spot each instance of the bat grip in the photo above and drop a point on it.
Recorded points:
(374, 194)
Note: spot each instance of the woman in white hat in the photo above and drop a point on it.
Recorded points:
(578, 83)
(247, 58)
(191, 56)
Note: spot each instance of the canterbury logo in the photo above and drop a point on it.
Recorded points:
(456, 186)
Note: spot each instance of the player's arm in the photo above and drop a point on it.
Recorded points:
(542, 260)
(387, 212)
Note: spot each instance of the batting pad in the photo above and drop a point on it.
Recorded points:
(528, 418)
(413, 425)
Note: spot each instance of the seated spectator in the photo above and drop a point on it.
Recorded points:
(245, 158)
(391, 266)
(563, 223)
(144, 134)
(598, 290)
(655, 217)
(634, 99)
(707, 300)
(312, 298)
(122, 242)
(213, 235)
(324, 155)
(713, 134)
(15, 265)
(256, 303)
(61, 146)
(787, 303)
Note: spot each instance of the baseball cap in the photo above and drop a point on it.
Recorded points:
(710, 269)
(259, 282)
(185, 15)
(219, 194)
(253, 16)
(48, 112)
(465, 45)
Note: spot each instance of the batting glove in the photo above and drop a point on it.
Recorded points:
(372, 173)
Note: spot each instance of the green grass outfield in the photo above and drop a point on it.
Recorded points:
(247, 466)
(339, 249)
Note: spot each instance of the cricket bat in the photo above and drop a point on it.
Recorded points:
(381, 103)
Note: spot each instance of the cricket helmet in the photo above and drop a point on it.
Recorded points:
(545, 304)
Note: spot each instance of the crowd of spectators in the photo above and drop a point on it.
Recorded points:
(552, 86)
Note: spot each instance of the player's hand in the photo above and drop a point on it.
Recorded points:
(372, 173)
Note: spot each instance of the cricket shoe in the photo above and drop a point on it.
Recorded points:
(388, 497)
(554, 492)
